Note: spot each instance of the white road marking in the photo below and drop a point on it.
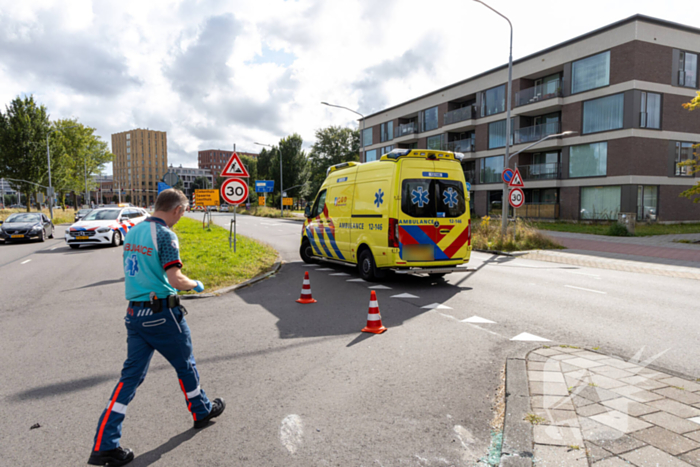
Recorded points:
(529, 337)
(437, 306)
(404, 295)
(25, 262)
(340, 274)
(584, 274)
(59, 246)
(378, 287)
(354, 280)
(587, 290)
(478, 319)
(325, 269)
(291, 432)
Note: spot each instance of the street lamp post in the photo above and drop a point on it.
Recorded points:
(281, 179)
(362, 133)
(48, 158)
(504, 206)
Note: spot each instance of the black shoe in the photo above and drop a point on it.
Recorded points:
(217, 408)
(111, 458)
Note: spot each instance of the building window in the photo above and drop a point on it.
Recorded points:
(367, 137)
(684, 152)
(603, 114)
(387, 131)
(590, 73)
(602, 202)
(497, 134)
(494, 101)
(495, 207)
(371, 155)
(647, 201)
(490, 169)
(588, 160)
(430, 119)
(688, 70)
(650, 116)
(386, 149)
(434, 143)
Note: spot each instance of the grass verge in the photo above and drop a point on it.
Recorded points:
(59, 215)
(604, 228)
(206, 255)
(264, 211)
(486, 235)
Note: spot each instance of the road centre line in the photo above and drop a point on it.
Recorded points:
(587, 290)
(584, 274)
(25, 262)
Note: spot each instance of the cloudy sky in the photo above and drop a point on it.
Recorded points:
(213, 73)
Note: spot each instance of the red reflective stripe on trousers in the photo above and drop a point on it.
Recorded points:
(104, 420)
(189, 407)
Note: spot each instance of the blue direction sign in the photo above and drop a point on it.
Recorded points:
(162, 186)
(264, 186)
(507, 175)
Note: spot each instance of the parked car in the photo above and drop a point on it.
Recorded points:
(81, 213)
(26, 225)
(104, 226)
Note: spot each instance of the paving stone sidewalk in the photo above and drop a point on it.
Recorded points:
(592, 409)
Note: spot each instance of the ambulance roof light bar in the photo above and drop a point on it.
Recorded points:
(340, 166)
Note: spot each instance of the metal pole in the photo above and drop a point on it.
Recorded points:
(281, 187)
(235, 208)
(87, 195)
(48, 159)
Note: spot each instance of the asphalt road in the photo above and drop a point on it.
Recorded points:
(303, 385)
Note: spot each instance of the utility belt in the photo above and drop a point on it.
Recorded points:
(156, 304)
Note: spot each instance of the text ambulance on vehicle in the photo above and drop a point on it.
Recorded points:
(407, 212)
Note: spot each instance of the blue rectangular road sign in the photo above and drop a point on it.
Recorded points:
(162, 186)
(264, 186)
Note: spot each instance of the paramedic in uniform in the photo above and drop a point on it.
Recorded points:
(154, 321)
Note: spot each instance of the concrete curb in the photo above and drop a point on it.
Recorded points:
(275, 268)
(518, 444)
(505, 253)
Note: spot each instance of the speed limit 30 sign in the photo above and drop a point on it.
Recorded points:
(234, 191)
(516, 198)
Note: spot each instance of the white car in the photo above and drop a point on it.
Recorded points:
(104, 226)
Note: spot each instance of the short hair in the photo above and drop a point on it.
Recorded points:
(170, 199)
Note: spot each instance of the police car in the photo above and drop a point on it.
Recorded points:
(104, 226)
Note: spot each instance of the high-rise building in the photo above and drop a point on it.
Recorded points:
(216, 159)
(141, 160)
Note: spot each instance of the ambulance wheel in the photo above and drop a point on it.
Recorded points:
(116, 239)
(306, 252)
(368, 268)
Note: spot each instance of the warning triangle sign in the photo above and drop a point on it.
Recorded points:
(234, 168)
(517, 179)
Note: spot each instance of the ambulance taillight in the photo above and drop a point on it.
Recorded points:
(393, 233)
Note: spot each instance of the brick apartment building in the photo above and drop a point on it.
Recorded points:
(216, 159)
(141, 161)
(620, 88)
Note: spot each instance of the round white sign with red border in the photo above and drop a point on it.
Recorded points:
(516, 197)
(234, 191)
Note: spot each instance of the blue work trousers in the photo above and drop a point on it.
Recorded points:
(168, 333)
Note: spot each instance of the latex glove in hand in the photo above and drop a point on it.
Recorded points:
(199, 287)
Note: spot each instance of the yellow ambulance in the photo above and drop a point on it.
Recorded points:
(407, 212)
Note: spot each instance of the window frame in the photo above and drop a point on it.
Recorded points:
(573, 64)
(583, 114)
(682, 60)
(644, 110)
(482, 168)
(434, 137)
(484, 103)
(693, 155)
(581, 189)
(437, 119)
(371, 137)
(386, 129)
(589, 176)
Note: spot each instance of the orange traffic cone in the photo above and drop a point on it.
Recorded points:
(374, 319)
(306, 291)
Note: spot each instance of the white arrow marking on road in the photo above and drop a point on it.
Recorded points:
(404, 295)
(325, 269)
(587, 290)
(478, 319)
(437, 306)
(312, 265)
(356, 280)
(529, 337)
(379, 287)
(25, 262)
(339, 274)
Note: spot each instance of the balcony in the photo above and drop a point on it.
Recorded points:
(538, 93)
(406, 129)
(536, 132)
(459, 115)
(462, 145)
(548, 171)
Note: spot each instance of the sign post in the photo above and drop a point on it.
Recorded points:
(234, 190)
(516, 197)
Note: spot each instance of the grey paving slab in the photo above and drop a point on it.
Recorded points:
(557, 435)
(547, 352)
(596, 453)
(630, 407)
(581, 401)
(548, 389)
(692, 457)
(546, 376)
(637, 394)
(563, 356)
(565, 367)
(666, 440)
(611, 372)
(694, 435)
(680, 395)
(551, 402)
(612, 462)
(621, 421)
(590, 410)
(558, 417)
(653, 374)
(608, 438)
(596, 394)
(687, 385)
(617, 363)
(583, 362)
(650, 456)
(676, 408)
(558, 456)
(670, 422)
(575, 350)
(605, 382)
(549, 365)
(643, 382)
(591, 355)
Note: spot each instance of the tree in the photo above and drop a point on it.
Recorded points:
(294, 167)
(200, 183)
(251, 164)
(334, 145)
(694, 192)
(23, 130)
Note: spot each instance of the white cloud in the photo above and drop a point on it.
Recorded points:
(213, 73)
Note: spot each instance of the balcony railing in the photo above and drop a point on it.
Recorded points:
(540, 171)
(459, 115)
(538, 93)
(462, 145)
(405, 129)
(536, 132)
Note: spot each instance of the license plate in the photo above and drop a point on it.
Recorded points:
(17, 236)
(419, 253)
(82, 238)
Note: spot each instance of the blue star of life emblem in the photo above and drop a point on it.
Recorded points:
(450, 198)
(132, 265)
(419, 197)
(379, 197)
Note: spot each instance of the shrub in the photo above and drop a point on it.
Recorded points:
(487, 236)
(617, 230)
